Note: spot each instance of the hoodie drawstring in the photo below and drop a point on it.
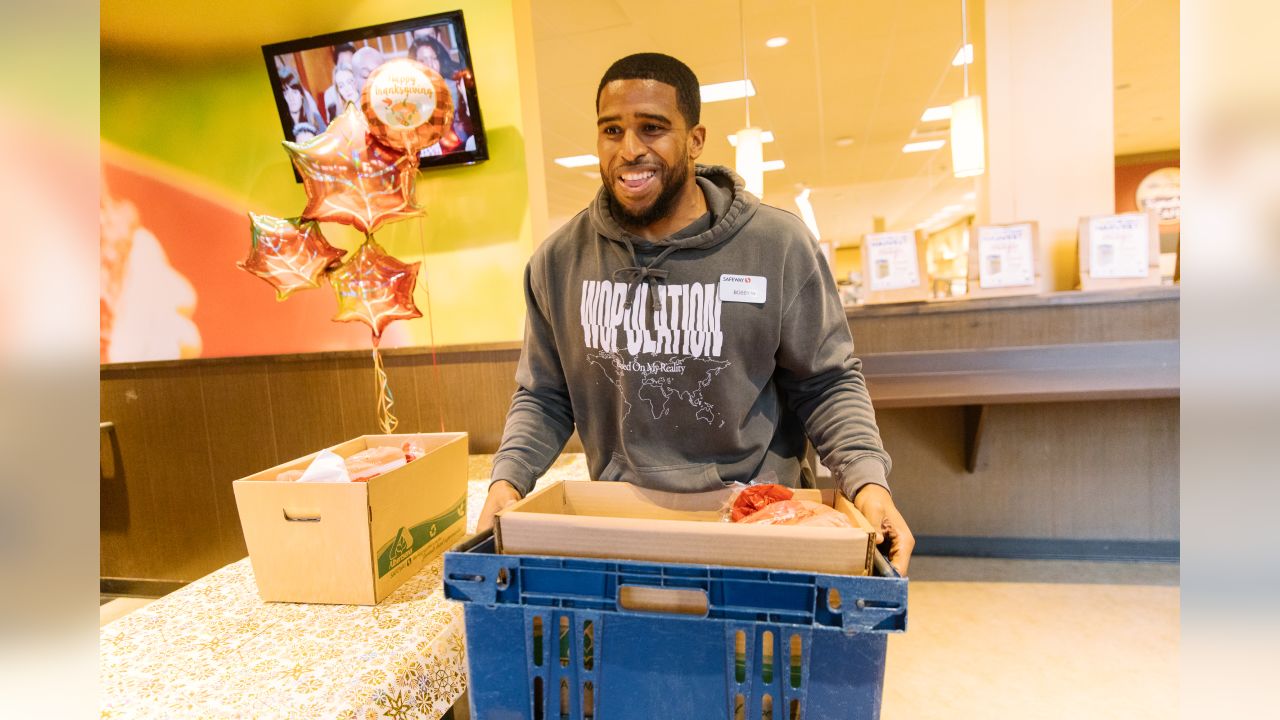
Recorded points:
(638, 273)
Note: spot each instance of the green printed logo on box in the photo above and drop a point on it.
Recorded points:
(410, 540)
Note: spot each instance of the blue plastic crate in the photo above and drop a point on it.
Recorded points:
(556, 637)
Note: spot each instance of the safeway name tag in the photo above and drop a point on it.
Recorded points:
(743, 288)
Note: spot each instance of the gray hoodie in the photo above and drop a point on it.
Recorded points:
(693, 362)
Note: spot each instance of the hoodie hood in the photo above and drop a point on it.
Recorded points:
(728, 202)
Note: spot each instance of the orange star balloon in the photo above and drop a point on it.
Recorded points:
(351, 178)
(375, 288)
(290, 254)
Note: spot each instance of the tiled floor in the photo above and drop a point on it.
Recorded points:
(996, 639)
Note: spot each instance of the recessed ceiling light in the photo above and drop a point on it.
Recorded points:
(964, 56)
(925, 146)
(768, 165)
(591, 174)
(574, 161)
(844, 141)
(775, 42)
(970, 195)
(766, 136)
(933, 114)
(731, 90)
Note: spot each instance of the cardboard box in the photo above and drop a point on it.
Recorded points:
(354, 543)
(622, 521)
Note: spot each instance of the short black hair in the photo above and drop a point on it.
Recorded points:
(341, 48)
(664, 69)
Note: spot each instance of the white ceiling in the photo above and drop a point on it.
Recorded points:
(862, 70)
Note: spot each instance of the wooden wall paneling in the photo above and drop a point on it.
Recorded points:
(242, 439)
(176, 454)
(430, 385)
(473, 392)
(1095, 470)
(975, 430)
(1119, 463)
(938, 496)
(306, 406)
(1165, 490)
(1044, 325)
(113, 492)
(128, 530)
(490, 382)
(358, 390)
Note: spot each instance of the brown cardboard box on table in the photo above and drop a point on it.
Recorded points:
(354, 542)
(622, 521)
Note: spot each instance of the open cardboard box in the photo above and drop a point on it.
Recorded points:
(622, 521)
(354, 542)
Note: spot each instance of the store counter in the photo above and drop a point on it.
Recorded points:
(213, 649)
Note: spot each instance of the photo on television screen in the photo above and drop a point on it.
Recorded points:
(314, 78)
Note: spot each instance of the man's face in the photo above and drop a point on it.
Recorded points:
(646, 148)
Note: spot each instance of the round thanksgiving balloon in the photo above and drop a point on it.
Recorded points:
(408, 105)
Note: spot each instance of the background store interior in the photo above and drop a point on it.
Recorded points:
(1081, 102)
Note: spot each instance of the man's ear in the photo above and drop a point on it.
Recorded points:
(697, 136)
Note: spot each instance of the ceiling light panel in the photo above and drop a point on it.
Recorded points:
(731, 90)
(575, 161)
(765, 137)
(925, 146)
(934, 114)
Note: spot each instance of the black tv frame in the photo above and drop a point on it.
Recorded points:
(454, 17)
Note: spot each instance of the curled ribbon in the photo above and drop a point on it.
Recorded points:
(387, 422)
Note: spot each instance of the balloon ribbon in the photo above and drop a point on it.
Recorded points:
(387, 422)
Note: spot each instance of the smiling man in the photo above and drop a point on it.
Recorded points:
(692, 335)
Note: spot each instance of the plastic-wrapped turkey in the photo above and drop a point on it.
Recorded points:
(798, 512)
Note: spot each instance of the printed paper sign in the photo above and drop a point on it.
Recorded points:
(1006, 256)
(1119, 246)
(892, 260)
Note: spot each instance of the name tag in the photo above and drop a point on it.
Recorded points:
(743, 288)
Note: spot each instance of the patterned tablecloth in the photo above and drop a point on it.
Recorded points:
(214, 650)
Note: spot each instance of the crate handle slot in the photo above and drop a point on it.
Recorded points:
(676, 601)
(457, 577)
(299, 518)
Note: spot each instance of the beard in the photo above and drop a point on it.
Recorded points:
(672, 183)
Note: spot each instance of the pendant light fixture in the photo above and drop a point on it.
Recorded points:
(968, 143)
(749, 142)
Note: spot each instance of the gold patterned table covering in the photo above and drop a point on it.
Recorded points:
(214, 649)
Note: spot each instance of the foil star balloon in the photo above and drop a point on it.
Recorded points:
(352, 178)
(290, 254)
(375, 288)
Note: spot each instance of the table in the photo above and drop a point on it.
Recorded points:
(213, 649)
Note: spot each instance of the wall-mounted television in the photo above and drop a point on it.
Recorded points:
(314, 78)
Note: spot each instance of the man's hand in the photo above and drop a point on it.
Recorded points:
(876, 505)
(501, 494)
